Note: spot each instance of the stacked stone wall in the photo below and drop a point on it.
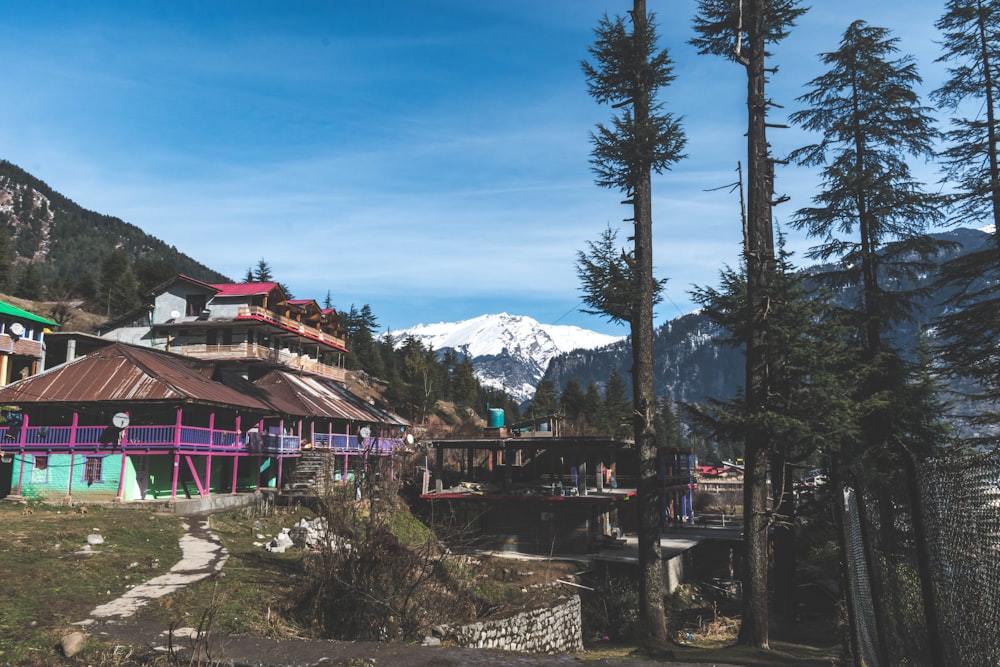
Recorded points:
(557, 629)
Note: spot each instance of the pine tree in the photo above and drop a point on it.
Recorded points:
(29, 285)
(262, 274)
(464, 386)
(592, 407)
(616, 408)
(420, 385)
(119, 287)
(571, 402)
(544, 402)
(971, 327)
(870, 118)
(872, 216)
(6, 258)
(743, 31)
(628, 73)
(153, 271)
(810, 413)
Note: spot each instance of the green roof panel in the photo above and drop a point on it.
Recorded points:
(14, 311)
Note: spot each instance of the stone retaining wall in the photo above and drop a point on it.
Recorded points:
(554, 630)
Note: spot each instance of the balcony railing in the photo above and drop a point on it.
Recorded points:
(340, 442)
(270, 316)
(188, 438)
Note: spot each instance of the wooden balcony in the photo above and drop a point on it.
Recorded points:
(255, 351)
(258, 313)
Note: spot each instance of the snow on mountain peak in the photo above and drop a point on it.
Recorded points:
(524, 345)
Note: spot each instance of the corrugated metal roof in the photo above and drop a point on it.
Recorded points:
(320, 397)
(123, 373)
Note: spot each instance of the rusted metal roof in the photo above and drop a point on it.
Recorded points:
(127, 373)
(321, 397)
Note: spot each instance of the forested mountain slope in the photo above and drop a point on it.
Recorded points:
(50, 247)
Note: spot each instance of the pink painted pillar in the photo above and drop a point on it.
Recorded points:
(260, 429)
(236, 455)
(72, 447)
(208, 459)
(347, 444)
(177, 454)
(20, 474)
(177, 428)
(69, 481)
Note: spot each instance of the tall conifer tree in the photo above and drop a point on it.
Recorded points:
(743, 30)
(628, 72)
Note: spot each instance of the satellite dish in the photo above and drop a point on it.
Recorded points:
(17, 329)
(409, 438)
(120, 420)
(365, 432)
(174, 314)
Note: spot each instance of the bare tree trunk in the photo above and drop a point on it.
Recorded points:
(651, 591)
(759, 260)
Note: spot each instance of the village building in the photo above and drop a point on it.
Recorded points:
(529, 488)
(250, 325)
(205, 391)
(22, 342)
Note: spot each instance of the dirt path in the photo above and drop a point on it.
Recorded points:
(201, 556)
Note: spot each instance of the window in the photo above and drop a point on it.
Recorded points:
(40, 470)
(195, 303)
(212, 338)
(92, 469)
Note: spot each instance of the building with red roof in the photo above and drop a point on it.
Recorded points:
(253, 325)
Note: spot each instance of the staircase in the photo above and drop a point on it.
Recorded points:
(311, 469)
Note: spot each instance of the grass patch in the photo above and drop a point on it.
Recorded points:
(50, 581)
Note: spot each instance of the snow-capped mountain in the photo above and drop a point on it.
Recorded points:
(509, 352)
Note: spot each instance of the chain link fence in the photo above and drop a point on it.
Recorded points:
(922, 563)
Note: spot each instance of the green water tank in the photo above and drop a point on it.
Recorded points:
(495, 419)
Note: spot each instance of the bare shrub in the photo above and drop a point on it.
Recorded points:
(368, 584)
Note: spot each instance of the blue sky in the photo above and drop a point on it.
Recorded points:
(426, 157)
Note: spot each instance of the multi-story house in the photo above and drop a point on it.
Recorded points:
(241, 323)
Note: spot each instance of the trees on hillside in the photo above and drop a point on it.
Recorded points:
(743, 31)
(119, 289)
(628, 72)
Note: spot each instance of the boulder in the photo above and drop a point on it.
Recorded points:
(72, 643)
